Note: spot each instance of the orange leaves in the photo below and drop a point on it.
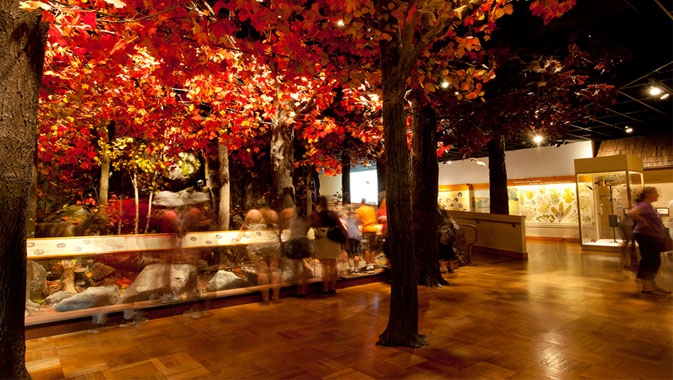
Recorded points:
(551, 9)
(467, 44)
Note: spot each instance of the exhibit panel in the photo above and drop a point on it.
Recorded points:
(455, 197)
(605, 189)
(74, 277)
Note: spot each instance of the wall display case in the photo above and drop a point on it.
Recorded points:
(455, 198)
(605, 188)
(75, 277)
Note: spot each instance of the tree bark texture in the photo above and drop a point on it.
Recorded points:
(224, 207)
(346, 178)
(105, 162)
(402, 329)
(22, 42)
(497, 176)
(424, 178)
(381, 175)
(282, 155)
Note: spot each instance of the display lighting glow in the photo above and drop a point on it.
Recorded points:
(341, 23)
(658, 90)
(445, 84)
(538, 139)
(655, 90)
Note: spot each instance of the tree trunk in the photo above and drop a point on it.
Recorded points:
(497, 176)
(136, 199)
(104, 186)
(402, 329)
(346, 178)
(425, 179)
(381, 174)
(224, 207)
(282, 155)
(22, 41)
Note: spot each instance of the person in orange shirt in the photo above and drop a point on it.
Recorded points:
(382, 215)
(366, 214)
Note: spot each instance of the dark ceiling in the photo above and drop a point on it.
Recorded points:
(645, 29)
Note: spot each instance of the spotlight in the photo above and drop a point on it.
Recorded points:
(628, 129)
(659, 90)
(538, 139)
(655, 90)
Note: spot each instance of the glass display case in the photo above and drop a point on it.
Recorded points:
(605, 192)
(86, 276)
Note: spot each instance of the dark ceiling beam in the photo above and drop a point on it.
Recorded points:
(666, 11)
(639, 102)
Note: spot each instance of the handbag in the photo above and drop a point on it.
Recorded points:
(335, 233)
(667, 242)
(297, 248)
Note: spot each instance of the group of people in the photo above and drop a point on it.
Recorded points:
(302, 236)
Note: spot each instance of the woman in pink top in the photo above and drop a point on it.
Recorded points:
(649, 233)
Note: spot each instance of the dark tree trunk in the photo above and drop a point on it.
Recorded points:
(381, 174)
(22, 42)
(424, 189)
(497, 176)
(402, 329)
(346, 178)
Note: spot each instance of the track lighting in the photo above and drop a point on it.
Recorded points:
(658, 90)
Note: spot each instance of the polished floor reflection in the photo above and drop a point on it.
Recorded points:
(561, 314)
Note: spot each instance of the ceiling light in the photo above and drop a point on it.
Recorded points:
(659, 90)
(655, 90)
(628, 129)
(538, 139)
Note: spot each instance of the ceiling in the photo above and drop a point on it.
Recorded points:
(645, 29)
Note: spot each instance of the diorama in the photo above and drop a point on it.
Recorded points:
(72, 277)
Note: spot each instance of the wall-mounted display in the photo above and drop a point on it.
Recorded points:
(455, 198)
(547, 204)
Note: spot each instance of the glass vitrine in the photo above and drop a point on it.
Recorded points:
(605, 192)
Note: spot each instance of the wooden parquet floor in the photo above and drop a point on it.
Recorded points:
(561, 314)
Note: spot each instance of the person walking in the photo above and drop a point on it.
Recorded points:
(649, 234)
(264, 250)
(326, 249)
(353, 244)
(368, 220)
(294, 226)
